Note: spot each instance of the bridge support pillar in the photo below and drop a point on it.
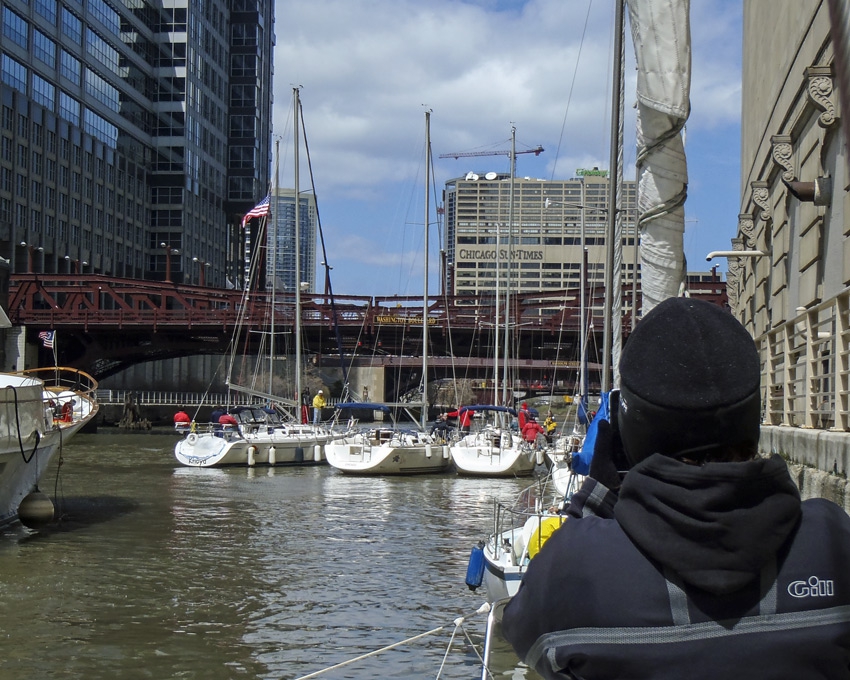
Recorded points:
(15, 350)
(367, 383)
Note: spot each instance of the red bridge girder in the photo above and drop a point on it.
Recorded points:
(86, 300)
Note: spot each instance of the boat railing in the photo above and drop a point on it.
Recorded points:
(516, 521)
(63, 378)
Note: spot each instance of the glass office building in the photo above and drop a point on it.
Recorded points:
(133, 136)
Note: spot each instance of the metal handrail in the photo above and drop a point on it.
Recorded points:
(806, 368)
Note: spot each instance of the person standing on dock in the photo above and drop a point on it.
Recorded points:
(705, 564)
(318, 404)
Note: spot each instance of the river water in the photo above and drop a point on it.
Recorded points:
(159, 571)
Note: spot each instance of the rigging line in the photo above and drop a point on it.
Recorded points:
(572, 85)
(458, 622)
(326, 265)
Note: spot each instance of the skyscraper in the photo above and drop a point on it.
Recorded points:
(133, 137)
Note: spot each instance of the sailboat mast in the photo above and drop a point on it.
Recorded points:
(505, 368)
(613, 198)
(296, 113)
(273, 217)
(424, 415)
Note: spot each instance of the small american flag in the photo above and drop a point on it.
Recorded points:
(47, 338)
(259, 210)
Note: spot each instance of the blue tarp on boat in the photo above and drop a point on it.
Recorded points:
(581, 460)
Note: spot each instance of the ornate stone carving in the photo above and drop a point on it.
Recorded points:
(820, 88)
(782, 153)
(761, 198)
(746, 228)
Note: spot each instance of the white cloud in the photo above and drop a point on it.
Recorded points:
(368, 68)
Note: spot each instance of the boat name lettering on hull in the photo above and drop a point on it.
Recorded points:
(490, 254)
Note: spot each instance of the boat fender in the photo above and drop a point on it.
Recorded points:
(299, 454)
(272, 456)
(252, 452)
(35, 510)
(192, 439)
(317, 453)
(475, 569)
(428, 451)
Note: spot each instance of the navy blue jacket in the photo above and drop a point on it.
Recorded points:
(711, 572)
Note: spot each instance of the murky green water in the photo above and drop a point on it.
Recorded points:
(158, 571)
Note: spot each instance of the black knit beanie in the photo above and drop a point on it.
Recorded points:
(689, 382)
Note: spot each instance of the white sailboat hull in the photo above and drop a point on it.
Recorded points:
(388, 453)
(493, 453)
(29, 436)
(286, 445)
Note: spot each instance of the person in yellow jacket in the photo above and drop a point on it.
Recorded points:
(318, 404)
(550, 426)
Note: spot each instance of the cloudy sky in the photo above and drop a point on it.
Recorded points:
(368, 70)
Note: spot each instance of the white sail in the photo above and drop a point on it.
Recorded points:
(662, 42)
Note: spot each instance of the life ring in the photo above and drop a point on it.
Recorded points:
(192, 438)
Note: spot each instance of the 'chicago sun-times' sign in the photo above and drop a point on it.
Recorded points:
(519, 254)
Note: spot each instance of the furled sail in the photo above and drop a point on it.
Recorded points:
(662, 42)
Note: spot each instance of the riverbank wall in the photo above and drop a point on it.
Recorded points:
(819, 460)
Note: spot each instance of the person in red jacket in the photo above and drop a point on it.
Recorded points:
(532, 430)
(465, 418)
(227, 419)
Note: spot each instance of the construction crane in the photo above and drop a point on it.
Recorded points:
(468, 154)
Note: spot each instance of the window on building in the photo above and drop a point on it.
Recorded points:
(14, 74)
(43, 48)
(15, 28)
(107, 16)
(243, 126)
(69, 109)
(46, 9)
(244, 35)
(43, 92)
(243, 96)
(243, 65)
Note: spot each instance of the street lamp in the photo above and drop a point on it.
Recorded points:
(734, 253)
(31, 251)
(169, 251)
(201, 270)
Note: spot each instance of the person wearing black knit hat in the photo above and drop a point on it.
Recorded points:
(702, 562)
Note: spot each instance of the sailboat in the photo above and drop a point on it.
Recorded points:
(495, 449)
(261, 434)
(393, 450)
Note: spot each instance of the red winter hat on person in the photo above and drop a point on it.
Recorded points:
(689, 382)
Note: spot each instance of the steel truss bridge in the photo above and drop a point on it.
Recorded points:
(106, 324)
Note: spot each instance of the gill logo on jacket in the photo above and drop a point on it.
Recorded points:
(812, 587)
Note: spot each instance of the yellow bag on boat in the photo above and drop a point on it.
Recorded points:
(547, 527)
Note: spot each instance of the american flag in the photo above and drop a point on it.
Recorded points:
(47, 338)
(259, 210)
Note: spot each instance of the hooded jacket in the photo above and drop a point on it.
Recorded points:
(713, 571)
